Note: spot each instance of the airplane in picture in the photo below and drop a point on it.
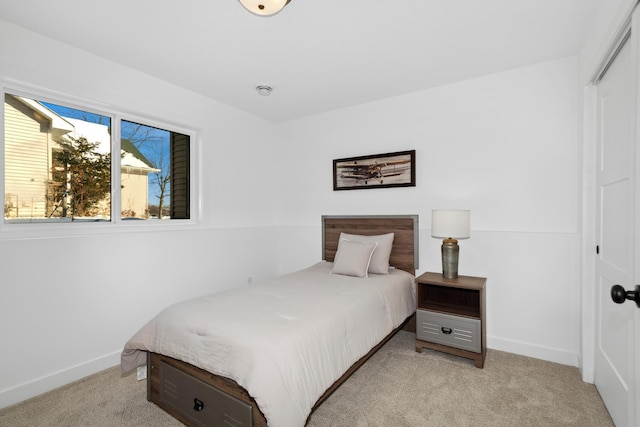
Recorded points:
(376, 170)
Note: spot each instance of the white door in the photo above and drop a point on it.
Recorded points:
(617, 324)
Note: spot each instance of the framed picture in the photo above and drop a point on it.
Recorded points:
(375, 171)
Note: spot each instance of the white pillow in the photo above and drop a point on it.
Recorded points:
(353, 258)
(380, 259)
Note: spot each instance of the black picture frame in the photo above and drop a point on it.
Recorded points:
(375, 171)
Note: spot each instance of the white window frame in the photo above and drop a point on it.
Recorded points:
(116, 224)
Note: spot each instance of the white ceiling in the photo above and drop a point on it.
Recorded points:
(318, 55)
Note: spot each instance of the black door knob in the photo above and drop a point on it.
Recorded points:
(619, 295)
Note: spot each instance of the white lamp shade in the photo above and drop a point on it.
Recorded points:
(450, 224)
(264, 7)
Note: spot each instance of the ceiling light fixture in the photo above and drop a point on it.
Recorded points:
(264, 7)
(264, 90)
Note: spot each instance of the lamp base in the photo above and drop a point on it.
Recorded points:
(450, 253)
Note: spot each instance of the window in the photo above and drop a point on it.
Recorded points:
(155, 161)
(60, 166)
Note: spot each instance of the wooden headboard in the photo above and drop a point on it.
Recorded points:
(404, 254)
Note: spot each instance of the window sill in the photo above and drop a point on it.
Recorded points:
(25, 229)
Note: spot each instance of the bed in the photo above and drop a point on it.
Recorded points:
(232, 359)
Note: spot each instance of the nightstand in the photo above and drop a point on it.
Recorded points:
(450, 315)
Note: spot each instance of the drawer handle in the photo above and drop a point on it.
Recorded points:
(198, 405)
(446, 331)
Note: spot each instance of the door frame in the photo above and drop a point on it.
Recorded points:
(637, 233)
(630, 18)
(588, 242)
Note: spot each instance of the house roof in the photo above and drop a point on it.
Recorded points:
(317, 55)
(59, 124)
(132, 151)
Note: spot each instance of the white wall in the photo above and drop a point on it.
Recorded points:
(69, 303)
(504, 146)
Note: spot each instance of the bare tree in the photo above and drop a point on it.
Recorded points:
(153, 142)
(162, 180)
(141, 135)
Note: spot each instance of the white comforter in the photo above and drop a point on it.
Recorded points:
(285, 341)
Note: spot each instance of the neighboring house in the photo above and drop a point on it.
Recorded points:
(31, 130)
(134, 181)
(32, 133)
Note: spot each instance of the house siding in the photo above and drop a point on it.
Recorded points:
(27, 161)
(134, 193)
(180, 197)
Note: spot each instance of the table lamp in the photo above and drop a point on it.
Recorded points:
(450, 225)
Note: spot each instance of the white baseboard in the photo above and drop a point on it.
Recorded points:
(41, 385)
(538, 352)
(588, 375)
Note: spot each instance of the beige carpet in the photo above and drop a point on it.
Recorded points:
(397, 387)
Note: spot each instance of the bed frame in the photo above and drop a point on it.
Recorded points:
(170, 380)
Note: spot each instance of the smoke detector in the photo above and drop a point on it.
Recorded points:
(264, 90)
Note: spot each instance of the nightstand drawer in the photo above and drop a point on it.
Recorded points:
(454, 331)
